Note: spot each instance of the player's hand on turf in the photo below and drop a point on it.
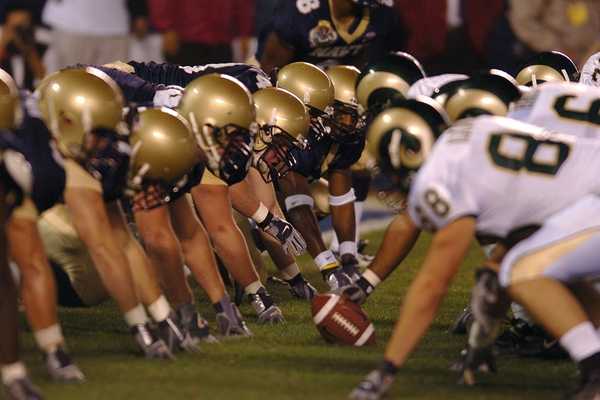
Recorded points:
(473, 360)
(488, 300)
(292, 241)
(354, 293)
(373, 387)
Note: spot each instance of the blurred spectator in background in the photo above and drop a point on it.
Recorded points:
(450, 36)
(92, 32)
(202, 31)
(20, 55)
(570, 26)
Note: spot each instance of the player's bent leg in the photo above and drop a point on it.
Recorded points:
(214, 207)
(295, 191)
(160, 243)
(39, 295)
(90, 219)
(199, 257)
(537, 273)
(146, 282)
(15, 382)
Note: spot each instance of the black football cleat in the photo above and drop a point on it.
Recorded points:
(373, 387)
(61, 367)
(22, 389)
(230, 321)
(300, 288)
(195, 328)
(266, 310)
(150, 344)
(463, 322)
(589, 389)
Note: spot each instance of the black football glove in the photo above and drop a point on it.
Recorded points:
(473, 360)
(358, 291)
(291, 240)
(489, 301)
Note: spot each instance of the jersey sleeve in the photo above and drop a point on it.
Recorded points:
(165, 73)
(440, 194)
(134, 88)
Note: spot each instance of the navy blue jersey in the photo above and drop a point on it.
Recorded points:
(323, 154)
(172, 74)
(135, 89)
(31, 160)
(308, 28)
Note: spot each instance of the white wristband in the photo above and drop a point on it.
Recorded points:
(371, 277)
(260, 214)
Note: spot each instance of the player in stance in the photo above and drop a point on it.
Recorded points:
(521, 159)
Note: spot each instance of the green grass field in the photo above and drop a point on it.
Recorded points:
(291, 361)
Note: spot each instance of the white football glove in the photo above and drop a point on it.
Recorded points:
(590, 73)
(168, 97)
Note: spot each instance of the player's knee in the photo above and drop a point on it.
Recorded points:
(160, 241)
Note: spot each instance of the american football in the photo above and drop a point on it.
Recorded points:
(341, 321)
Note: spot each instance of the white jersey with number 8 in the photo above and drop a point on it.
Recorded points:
(508, 174)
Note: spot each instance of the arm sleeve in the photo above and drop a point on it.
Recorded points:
(134, 88)
(164, 73)
(162, 14)
(524, 17)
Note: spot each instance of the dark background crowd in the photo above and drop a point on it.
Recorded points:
(40, 36)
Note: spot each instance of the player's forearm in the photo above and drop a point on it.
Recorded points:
(398, 240)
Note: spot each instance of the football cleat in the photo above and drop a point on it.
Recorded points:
(336, 278)
(150, 344)
(266, 310)
(463, 322)
(526, 340)
(22, 389)
(172, 334)
(589, 388)
(62, 368)
(473, 360)
(195, 328)
(373, 387)
(301, 288)
(230, 321)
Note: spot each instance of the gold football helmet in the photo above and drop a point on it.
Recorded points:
(489, 93)
(164, 152)
(548, 66)
(400, 138)
(309, 83)
(387, 79)
(283, 123)
(10, 108)
(221, 113)
(345, 107)
(75, 102)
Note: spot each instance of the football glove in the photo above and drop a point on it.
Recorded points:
(358, 291)
(168, 97)
(291, 240)
(473, 360)
(373, 387)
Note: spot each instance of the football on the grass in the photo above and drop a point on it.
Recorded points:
(341, 321)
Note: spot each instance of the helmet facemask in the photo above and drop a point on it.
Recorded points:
(347, 125)
(277, 159)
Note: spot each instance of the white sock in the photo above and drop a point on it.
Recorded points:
(359, 207)
(48, 339)
(253, 287)
(136, 316)
(326, 260)
(581, 341)
(348, 247)
(290, 271)
(12, 372)
(160, 309)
